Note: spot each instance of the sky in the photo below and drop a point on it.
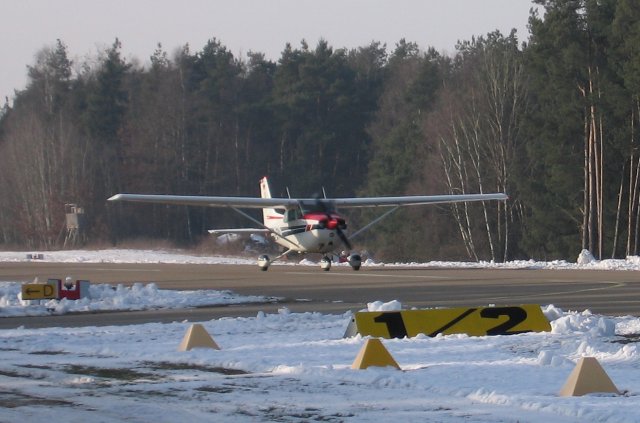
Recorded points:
(90, 26)
(295, 367)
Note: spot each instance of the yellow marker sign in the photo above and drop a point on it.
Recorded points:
(39, 291)
(478, 321)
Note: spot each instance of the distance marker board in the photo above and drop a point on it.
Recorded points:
(477, 321)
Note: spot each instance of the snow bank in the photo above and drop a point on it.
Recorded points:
(585, 260)
(106, 297)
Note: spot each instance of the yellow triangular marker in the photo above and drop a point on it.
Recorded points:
(373, 353)
(587, 377)
(197, 337)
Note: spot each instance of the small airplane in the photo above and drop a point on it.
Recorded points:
(304, 225)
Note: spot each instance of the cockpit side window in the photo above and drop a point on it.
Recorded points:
(292, 214)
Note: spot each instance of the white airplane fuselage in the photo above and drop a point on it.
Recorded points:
(307, 241)
(306, 232)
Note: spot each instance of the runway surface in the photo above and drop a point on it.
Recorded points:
(309, 289)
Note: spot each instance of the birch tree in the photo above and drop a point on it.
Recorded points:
(484, 105)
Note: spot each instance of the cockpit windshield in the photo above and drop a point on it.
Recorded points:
(309, 206)
(321, 205)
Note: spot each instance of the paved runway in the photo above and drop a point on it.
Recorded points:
(306, 288)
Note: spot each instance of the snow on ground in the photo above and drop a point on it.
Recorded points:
(295, 367)
(120, 256)
(106, 297)
(584, 260)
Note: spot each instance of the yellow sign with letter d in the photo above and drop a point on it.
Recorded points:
(39, 291)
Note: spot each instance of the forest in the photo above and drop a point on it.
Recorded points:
(552, 120)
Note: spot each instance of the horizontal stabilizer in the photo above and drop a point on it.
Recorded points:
(238, 231)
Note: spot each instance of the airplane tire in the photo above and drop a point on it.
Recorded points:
(355, 261)
(325, 264)
(263, 262)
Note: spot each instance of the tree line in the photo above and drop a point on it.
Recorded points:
(552, 121)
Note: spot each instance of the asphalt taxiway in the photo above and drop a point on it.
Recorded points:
(309, 289)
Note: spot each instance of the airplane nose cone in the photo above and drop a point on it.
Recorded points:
(332, 224)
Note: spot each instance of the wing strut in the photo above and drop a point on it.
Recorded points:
(373, 222)
(256, 221)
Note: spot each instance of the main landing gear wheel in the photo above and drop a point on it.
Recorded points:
(325, 263)
(263, 262)
(355, 261)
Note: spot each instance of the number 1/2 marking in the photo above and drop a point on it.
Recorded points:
(394, 322)
(453, 322)
(516, 316)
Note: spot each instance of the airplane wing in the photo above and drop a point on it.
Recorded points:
(254, 202)
(414, 200)
(196, 200)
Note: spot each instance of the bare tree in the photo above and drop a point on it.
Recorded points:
(485, 105)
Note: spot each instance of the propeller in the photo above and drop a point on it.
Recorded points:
(344, 238)
(331, 221)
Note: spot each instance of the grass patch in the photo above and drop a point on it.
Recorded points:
(627, 339)
(282, 414)
(149, 394)
(216, 389)
(12, 373)
(14, 399)
(168, 365)
(127, 375)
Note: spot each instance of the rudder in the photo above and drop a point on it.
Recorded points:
(269, 215)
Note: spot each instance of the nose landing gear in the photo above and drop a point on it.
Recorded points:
(325, 263)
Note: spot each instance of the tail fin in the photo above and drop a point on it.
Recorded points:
(265, 191)
(269, 215)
